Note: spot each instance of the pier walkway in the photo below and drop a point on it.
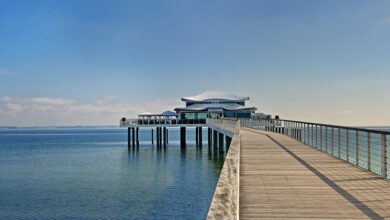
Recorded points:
(280, 177)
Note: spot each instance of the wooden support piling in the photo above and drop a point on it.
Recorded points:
(167, 134)
(197, 136)
(182, 136)
(133, 136)
(215, 138)
(137, 132)
(158, 137)
(200, 136)
(128, 137)
(220, 142)
(164, 136)
(209, 133)
(152, 137)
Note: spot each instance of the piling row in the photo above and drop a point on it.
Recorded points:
(218, 140)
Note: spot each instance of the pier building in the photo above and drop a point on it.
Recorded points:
(281, 169)
(210, 104)
(215, 104)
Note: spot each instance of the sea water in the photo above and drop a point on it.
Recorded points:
(89, 173)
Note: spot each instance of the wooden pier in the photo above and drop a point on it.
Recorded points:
(280, 169)
(272, 174)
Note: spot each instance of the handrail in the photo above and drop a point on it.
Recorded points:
(365, 148)
(135, 122)
(342, 127)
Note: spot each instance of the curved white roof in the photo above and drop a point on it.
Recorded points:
(215, 95)
(226, 106)
(146, 113)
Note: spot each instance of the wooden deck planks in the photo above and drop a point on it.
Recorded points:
(281, 178)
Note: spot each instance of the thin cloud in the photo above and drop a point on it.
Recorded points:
(6, 98)
(380, 26)
(6, 73)
(53, 101)
(61, 111)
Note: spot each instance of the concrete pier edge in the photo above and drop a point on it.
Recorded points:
(225, 202)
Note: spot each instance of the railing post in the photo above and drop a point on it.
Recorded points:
(307, 134)
(357, 148)
(285, 127)
(332, 141)
(321, 137)
(294, 131)
(300, 132)
(317, 136)
(326, 139)
(339, 144)
(368, 151)
(288, 128)
(384, 157)
(348, 145)
(293, 128)
(312, 135)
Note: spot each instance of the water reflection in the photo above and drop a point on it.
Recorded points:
(98, 177)
(214, 154)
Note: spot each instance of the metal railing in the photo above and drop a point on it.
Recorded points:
(128, 122)
(135, 122)
(365, 148)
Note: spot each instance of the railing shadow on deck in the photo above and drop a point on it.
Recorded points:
(370, 213)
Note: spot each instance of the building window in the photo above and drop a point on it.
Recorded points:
(202, 115)
(189, 116)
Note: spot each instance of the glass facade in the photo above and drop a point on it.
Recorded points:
(215, 106)
(189, 116)
(202, 115)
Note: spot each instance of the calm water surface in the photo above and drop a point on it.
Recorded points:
(90, 174)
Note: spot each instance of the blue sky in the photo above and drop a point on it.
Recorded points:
(90, 62)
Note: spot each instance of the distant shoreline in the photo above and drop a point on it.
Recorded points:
(57, 127)
(116, 126)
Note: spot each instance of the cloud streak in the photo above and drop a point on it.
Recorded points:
(53, 101)
(380, 26)
(42, 111)
(6, 73)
